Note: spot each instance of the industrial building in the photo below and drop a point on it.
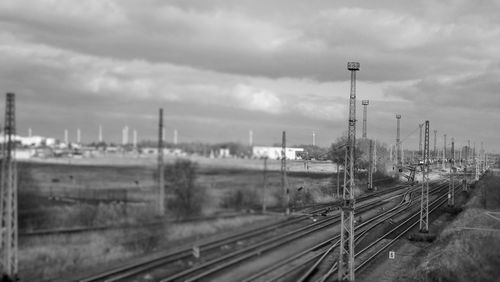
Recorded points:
(275, 152)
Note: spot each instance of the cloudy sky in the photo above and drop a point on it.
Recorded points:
(221, 68)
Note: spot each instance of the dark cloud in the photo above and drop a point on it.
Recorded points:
(221, 68)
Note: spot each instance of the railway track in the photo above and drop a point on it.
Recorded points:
(215, 263)
(287, 270)
(373, 249)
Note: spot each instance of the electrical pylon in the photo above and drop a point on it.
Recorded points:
(451, 186)
(424, 202)
(8, 206)
(346, 257)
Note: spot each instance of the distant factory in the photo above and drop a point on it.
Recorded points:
(275, 152)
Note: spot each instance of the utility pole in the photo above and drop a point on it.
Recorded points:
(424, 202)
(284, 185)
(451, 187)
(161, 181)
(370, 167)
(420, 154)
(365, 106)
(346, 257)
(8, 201)
(265, 186)
(398, 145)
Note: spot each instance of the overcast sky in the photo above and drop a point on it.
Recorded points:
(221, 68)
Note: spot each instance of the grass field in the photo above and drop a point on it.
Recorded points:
(58, 194)
(468, 249)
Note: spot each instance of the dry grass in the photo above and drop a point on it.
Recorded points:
(52, 256)
(461, 254)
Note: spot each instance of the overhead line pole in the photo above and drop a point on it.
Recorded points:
(424, 200)
(451, 187)
(420, 153)
(161, 181)
(284, 185)
(398, 142)
(8, 206)
(370, 167)
(435, 144)
(365, 106)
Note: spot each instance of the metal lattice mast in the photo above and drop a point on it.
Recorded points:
(451, 186)
(370, 168)
(476, 164)
(420, 154)
(444, 147)
(398, 142)
(444, 152)
(435, 144)
(346, 257)
(424, 202)
(365, 106)
(468, 151)
(161, 171)
(8, 207)
(284, 186)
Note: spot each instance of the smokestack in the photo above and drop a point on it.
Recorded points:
(100, 133)
(125, 135)
(135, 138)
(78, 136)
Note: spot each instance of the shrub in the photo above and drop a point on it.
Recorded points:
(188, 197)
(240, 199)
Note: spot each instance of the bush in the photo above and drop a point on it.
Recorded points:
(188, 197)
(240, 199)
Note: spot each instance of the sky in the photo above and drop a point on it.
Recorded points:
(222, 68)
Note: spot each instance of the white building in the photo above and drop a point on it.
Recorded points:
(275, 152)
(33, 141)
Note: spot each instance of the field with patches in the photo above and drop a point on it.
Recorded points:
(60, 195)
